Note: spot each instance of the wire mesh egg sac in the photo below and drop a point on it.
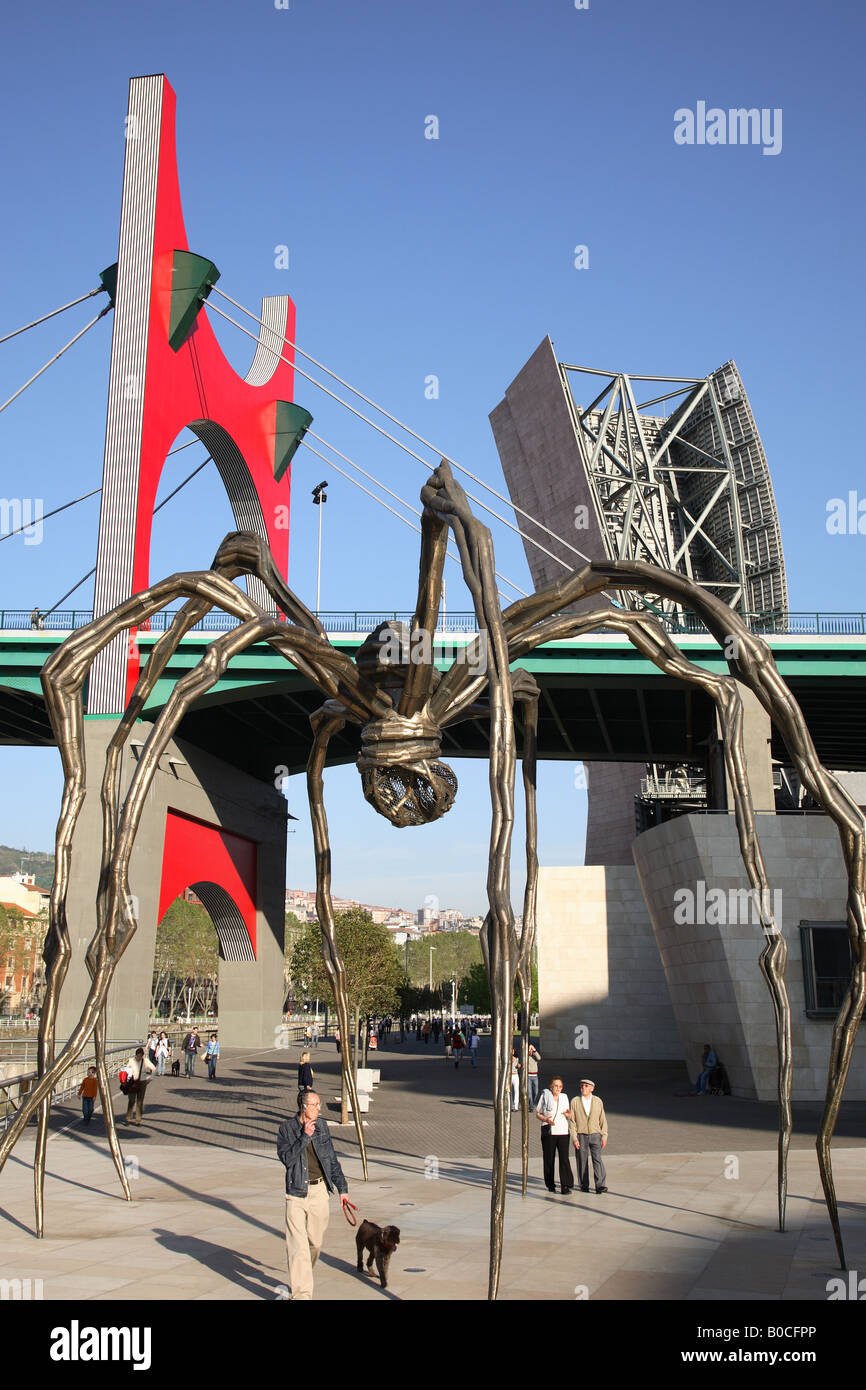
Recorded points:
(410, 795)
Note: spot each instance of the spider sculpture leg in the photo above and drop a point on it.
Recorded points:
(650, 638)
(63, 679)
(327, 722)
(443, 497)
(105, 1093)
(755, 667)
(527, 938)
(115, 921)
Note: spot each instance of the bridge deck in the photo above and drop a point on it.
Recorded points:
(601, 700)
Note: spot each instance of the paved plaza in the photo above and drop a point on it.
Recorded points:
(690, 1214)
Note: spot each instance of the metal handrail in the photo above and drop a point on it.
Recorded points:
(68, 1085)
(778, 624)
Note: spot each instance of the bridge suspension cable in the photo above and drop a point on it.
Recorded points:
(27, 526)
(406, 449)
(397, 498)
(84, 496)
(421, 440)
(188, 479)
(337, 469)
(100, 289)
(53, 359)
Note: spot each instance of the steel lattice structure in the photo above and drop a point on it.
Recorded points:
(690, 491)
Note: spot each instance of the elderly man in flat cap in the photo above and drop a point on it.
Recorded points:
(587, 1125)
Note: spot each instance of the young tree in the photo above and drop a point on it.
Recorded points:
(373, 975)
(456, 952)
(186, 958)
(475, 990)
(294, 931)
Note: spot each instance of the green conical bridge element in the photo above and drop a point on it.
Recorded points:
(109, 282)
(192, 278)
(291, 426)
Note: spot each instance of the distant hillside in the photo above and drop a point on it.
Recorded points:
(34, 862)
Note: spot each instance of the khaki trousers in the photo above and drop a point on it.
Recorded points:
(306, 1223)
(135, 1102)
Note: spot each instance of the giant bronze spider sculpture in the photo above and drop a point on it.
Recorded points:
(402, 709)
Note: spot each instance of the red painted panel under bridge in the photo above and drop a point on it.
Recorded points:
(196, 851)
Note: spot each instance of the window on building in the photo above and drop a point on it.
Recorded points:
(826, 966)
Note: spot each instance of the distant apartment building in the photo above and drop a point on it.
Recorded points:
(23, 971)
(303, 904)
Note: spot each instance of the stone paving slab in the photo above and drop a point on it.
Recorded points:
(206, 1224)
(424, 1106)
(691, 1213)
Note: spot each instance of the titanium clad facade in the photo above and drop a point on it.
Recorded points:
(670, 471)
(591, 455)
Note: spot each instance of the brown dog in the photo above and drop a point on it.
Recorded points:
(381, 1242)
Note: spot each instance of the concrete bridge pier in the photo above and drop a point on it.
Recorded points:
(206, 826)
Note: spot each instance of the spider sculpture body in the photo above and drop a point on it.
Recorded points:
(402, 707)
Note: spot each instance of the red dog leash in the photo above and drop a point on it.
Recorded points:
(348, 1209)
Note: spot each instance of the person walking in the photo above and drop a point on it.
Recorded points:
(136, 1085)
(88, 1091)
(553, 1112)
(337, 1039)
(515, 1081)
(426, 1031)
(313, 1171)
(315, 1033)
(305, 1073)
(152, 1045)
(163, 1052)
(191, 1048)
(458, 1042)
(532, 1072)
(211, 1056)
(587, 1126)
(709, 1060)
(473, 1047)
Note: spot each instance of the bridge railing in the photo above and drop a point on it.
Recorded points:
(793, 624)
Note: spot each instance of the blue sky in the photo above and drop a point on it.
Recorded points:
(409, 257)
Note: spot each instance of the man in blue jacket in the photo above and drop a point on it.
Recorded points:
(312, 1172)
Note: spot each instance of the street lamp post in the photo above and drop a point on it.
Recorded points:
(320, 496)
(430, 1010)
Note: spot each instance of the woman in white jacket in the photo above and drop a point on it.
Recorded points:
(163, 1052)
(552, 1111)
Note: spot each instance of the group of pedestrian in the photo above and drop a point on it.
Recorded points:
(313, 1170)
(457, 1042)
(192, 1045)
(581, 1123)
(312, 1033)
(148, 1061)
